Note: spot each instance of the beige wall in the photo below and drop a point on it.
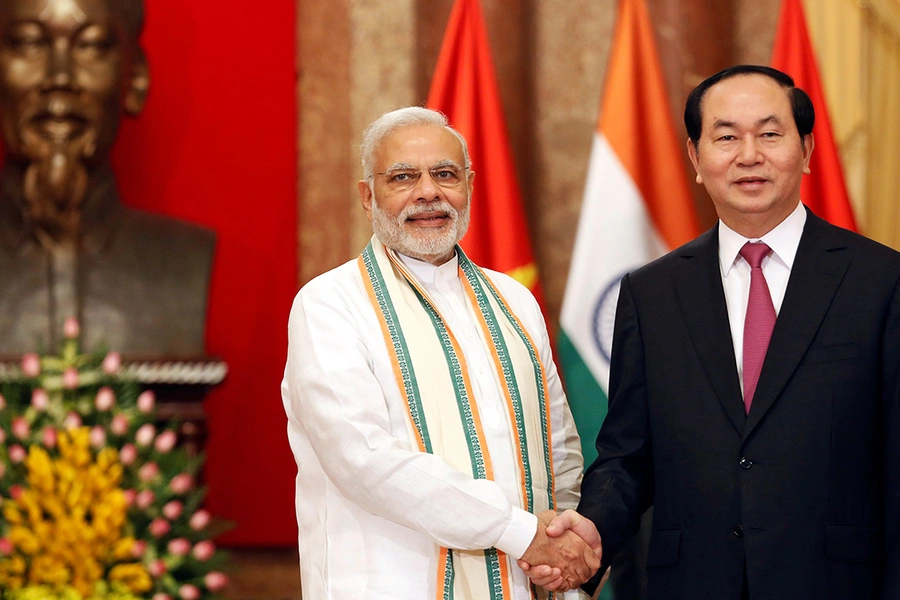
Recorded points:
(360, 58)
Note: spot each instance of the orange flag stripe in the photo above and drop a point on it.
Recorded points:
(635, 119)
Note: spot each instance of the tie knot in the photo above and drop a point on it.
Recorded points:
(754, 253)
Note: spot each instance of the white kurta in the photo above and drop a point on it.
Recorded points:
(371, 508)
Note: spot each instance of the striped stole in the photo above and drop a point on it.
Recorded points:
(443, 412)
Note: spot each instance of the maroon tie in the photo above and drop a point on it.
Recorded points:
(760, 319)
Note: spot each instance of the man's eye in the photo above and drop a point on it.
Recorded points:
(402, 176)
(444, 174)
(93, 46)
(727, 138)
(26, 43)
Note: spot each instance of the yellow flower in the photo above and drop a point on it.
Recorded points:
(133, 576)
(70, 520)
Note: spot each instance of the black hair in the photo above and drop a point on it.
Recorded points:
(801, 105)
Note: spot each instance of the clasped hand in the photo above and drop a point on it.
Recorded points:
(565, 552)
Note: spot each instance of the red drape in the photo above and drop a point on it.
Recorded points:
(216, 145)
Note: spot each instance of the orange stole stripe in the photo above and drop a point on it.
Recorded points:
(503, 559)
(476, 418)
(543, 384)
(470, 292)
(395, 361)
(441, 573)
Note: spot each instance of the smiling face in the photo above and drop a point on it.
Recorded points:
(68, 68)
(750, 156)
(423, 218)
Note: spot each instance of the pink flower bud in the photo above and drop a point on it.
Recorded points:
(2, 402)
(129, 496)
(145, 499)
(181, 483)
(15, 491)
(127, 454)
(20, 428)
(166, 441)
(98, 436)
(145, 434)
(204, 550)
(148, 471)
(71, 329)
(31, 365)
(17, 454)
(199, 520)
(73, 421)
(179, 547)
(215, 581)
(6, 546)
(119, 425)
(161, 596)
(146, 401)
(70, 378)
(139, 548)
(189, 592)
(105, 398)
(172, 510)
(157, 568)
(159, 527)
(40, 399)
(48, 437)
(112, 362)
(2, 435)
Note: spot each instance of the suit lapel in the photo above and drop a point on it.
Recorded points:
(816, 274)
(702, 301)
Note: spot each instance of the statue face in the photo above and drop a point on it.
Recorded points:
(68, 69)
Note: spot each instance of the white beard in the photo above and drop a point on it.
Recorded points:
(423, 243)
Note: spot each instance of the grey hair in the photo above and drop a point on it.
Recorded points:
(402, 117)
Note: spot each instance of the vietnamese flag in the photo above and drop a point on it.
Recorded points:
(465, 89)
(823, 190)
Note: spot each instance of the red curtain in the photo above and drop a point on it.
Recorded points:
(216, 145)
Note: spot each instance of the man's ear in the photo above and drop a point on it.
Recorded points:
(695, 159)
(139, 85)
(808, 144)
(365, 197)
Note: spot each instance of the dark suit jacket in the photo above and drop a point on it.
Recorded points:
(803, 494)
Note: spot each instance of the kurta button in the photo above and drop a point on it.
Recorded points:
(745, 463)
(738, 531)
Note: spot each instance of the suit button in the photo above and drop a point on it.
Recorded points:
(745, 463)
(738, 531)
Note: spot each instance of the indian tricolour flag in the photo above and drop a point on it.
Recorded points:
(637, 206)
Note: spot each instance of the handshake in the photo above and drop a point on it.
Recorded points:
(565, 552)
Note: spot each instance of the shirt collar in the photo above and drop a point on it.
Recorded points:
(784, 240)
(430, 274)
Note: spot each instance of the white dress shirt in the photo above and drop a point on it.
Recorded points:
(783, 240)
(370, 506)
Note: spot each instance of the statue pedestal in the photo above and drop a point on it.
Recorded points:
(180, 387)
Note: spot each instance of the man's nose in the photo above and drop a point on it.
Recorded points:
(748, 151)
(59, 73)
(426, 188)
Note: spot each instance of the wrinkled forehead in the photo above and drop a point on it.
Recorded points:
(745, 96)
(73, 13)
(420, 146)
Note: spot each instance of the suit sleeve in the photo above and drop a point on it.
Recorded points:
(891, 394)
(617, 487)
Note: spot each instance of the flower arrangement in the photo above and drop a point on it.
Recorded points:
(97, 502)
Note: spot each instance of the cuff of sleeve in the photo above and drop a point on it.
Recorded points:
(518, 534)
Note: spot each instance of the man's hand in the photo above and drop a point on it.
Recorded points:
(572, 531)
(559, 558)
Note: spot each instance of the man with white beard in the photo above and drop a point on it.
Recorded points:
(432, 437)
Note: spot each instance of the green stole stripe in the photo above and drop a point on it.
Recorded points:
(476, 277)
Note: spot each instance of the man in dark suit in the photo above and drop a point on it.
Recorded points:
(756, 409)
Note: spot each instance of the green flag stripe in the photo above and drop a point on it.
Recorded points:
(586, 398)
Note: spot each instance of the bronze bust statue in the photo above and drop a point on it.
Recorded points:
(137, 282)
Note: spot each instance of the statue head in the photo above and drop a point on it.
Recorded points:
(69, 69)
